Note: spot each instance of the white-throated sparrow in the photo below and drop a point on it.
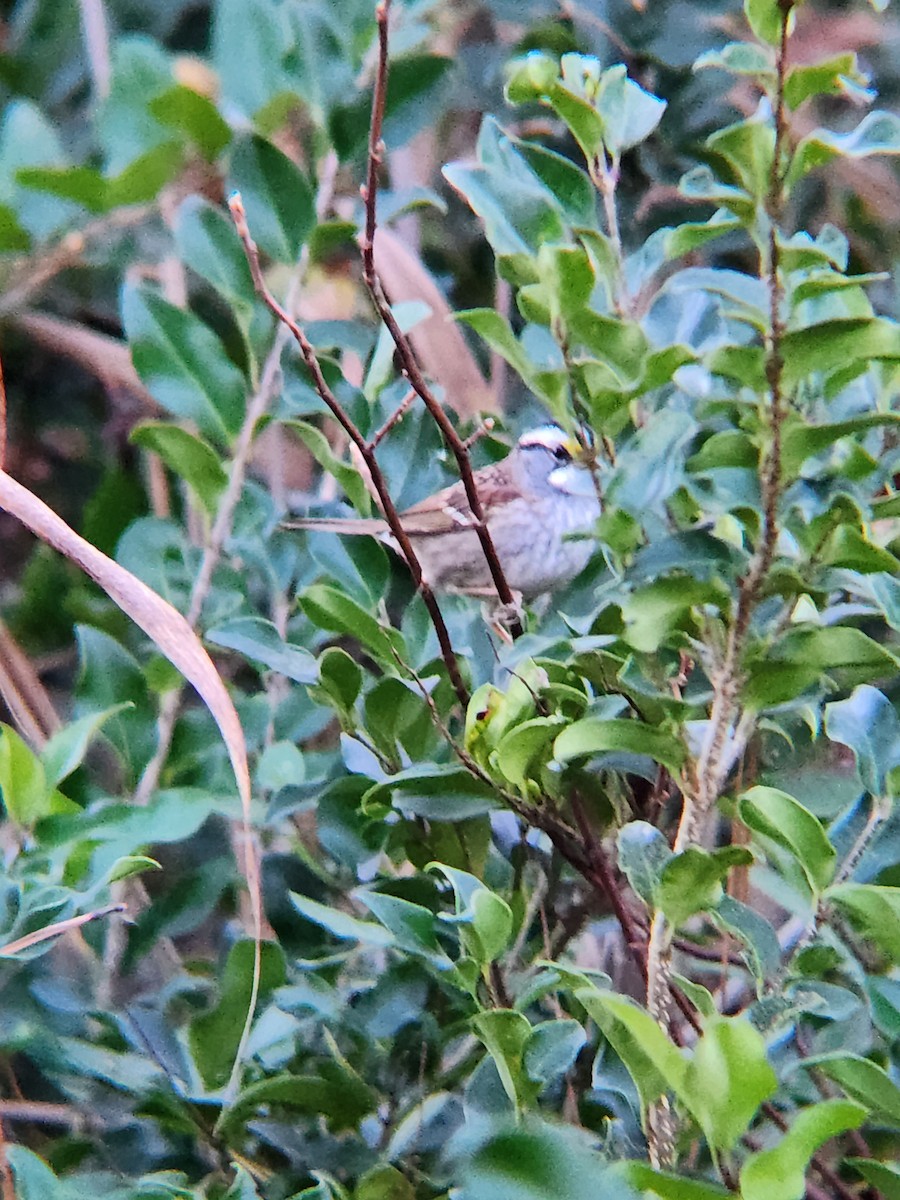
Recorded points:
(540, 493)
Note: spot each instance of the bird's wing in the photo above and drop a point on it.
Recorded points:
(449, 511)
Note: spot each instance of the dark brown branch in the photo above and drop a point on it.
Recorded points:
(409, 365)
(365, 449)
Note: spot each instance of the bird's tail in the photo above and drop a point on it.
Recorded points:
(370, 526)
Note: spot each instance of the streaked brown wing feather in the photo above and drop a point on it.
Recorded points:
(448, 511)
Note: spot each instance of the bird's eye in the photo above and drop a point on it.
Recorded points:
(562, 454)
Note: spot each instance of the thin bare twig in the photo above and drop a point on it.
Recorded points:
(54, 930)
(397, 415)
(409, 365)
(366, 451)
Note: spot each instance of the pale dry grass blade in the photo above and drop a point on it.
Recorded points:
(173, 637)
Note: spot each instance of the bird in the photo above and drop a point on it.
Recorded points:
(533, 499)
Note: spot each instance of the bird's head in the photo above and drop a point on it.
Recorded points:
(548, 457)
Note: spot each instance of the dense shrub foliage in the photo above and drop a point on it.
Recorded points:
(610, 907)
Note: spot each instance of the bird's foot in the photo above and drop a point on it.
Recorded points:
(501, 617)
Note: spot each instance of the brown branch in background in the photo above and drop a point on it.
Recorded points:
(96, 43)
(409, 365)
(437, 341)
(23, 693)
(364, 448)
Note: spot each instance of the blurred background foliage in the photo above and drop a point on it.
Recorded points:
(132, 341)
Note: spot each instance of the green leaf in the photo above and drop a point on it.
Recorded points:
(538, 1162)
(196, 116)
(27, 794)
(183, 363)
(280, 765)
(335, 1093)
(570, 185)
(132, 864)
(868, 724)
(877, 133)
(651, 613)
(643, 853)
(592, 735)
(804, 441)
(434, 792)
(525, 749)
(250, 41)
(741, 58)
(139, 182)
(693, 234)
(873, 911)
(747, 147)
(518, 211)
(412, 925)
(765, 18)
(341, 924)
(208, 243)
(651, 1058)
(214, 1036)
(863, 1081)
(630, 114)
(384, 1182)
(12, 236)
(757, 934)
(331, 609)
(834, 647)
(691, 881)
(779, 1173)
(65, 750)
(551, 1050)
(33, 1178)
(850, 549)
(727, 1080)
(883, 1176)
(259, 640)
(277, 197)
(340, 676)
(828, 77)
(189, 456)
(834, 344)
(785, 821)
(671, 1187)
(348, 477)
(485, 919)
(505, 1034)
